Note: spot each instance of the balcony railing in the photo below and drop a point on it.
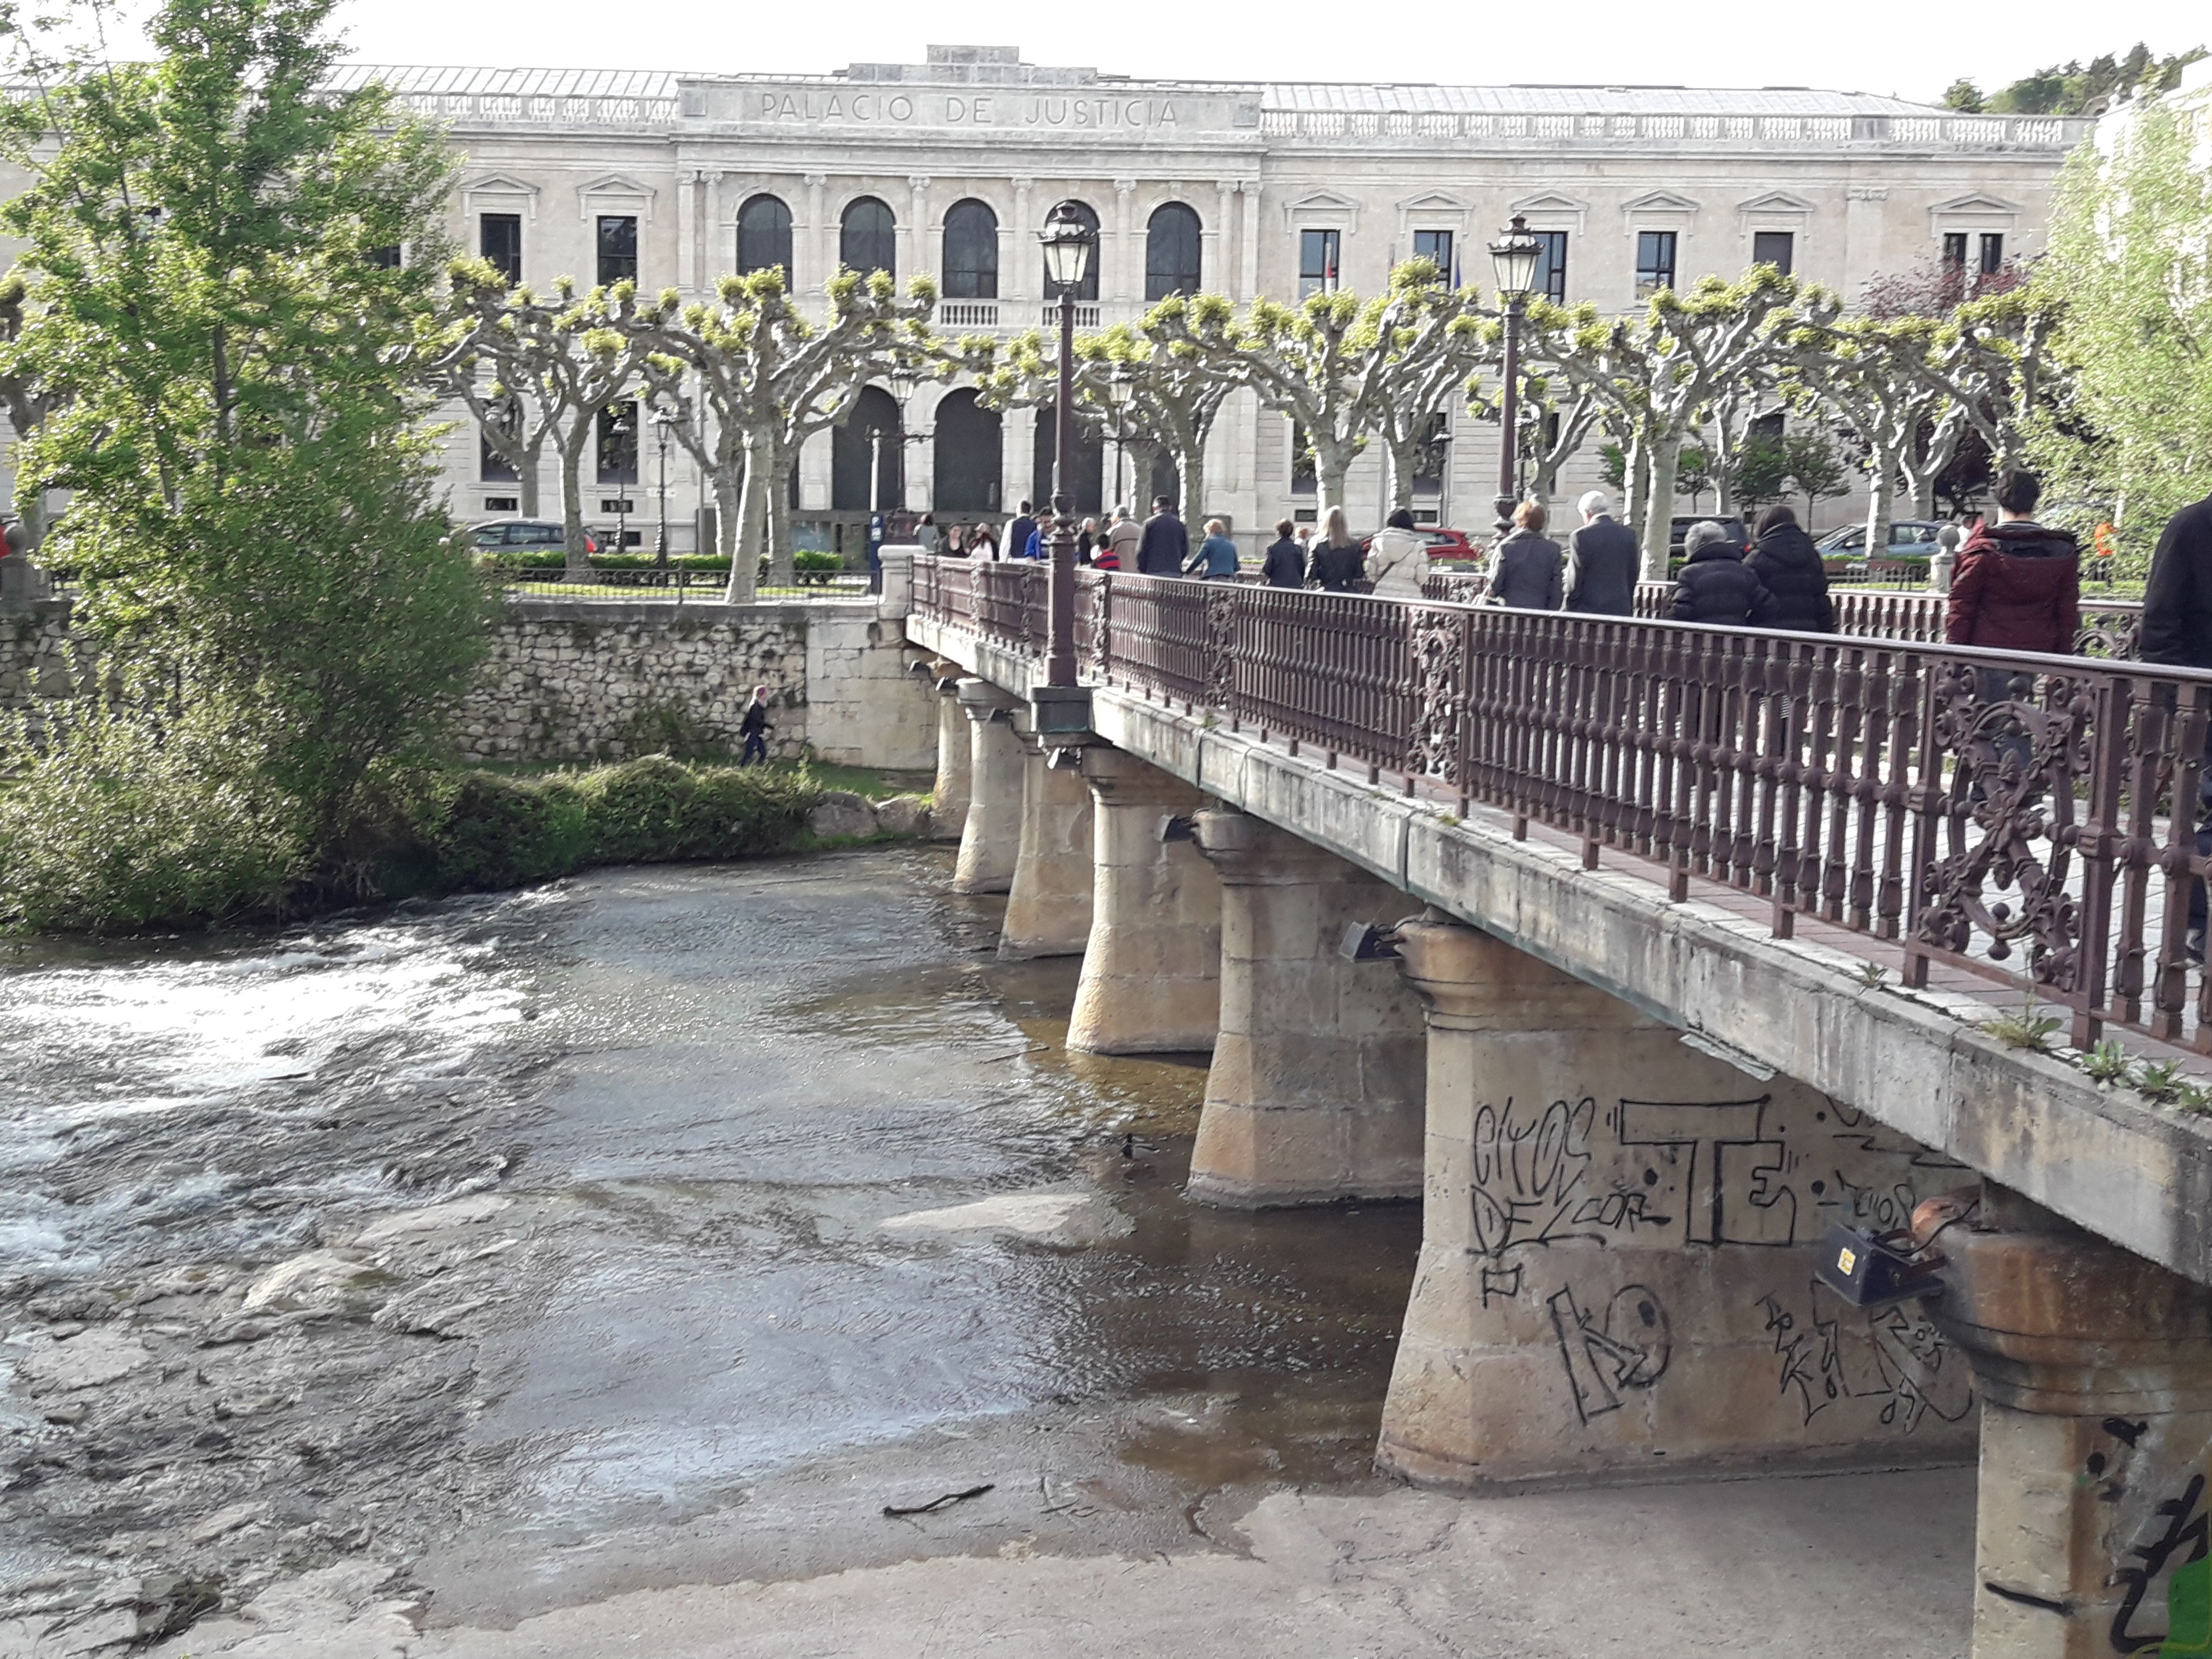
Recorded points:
(2052, 132)
(967, 313)
(1978, 808)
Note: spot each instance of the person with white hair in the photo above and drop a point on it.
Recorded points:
(1602, 560)
(754, 728)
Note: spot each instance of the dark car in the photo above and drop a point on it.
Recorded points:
(526, 538)
(1677, 529)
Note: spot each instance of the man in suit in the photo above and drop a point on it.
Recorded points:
(1602, 560)
(1166, 546)
(1017, 535)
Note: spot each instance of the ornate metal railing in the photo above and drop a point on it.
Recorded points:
(1979, 808)
(2109, 626)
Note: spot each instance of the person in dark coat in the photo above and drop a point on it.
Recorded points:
(754, 728)
(1716, 588)
(1019, 533)
(1789, 564)
(1166, 546)
(2177, 631)
(1284, 565)
(2018, 587)
(1337, 564)
(1527, 569)
(1602, 562)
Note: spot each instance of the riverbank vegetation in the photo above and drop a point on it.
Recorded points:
(117, 839)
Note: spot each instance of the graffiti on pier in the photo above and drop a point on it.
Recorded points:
(2180, 1545)
(1627, 1347)
(1528, 1174)
(1893, 1355)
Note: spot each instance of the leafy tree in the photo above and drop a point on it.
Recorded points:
(237, 408)
(557, 364)
(1693, 476)
(1761, 470)
(27, 399)
(1815, 469)
(2076, 88)
(1963, 96)
(2128, 256)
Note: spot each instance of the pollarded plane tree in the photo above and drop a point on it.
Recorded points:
(1177, 387)
(1998, 356)
(1437, 338)
(747, 379)
(1881, 379)
(512, 428)
(562, 360)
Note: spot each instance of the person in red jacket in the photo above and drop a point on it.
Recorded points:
(2018, 587)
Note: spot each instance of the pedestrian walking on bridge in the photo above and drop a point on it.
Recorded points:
(1602, 560)
(1336, 561)
(1527, 569)
(1397, 559)
(1216, 558)
(1788, 563)
(1285, 564)
(2177, 631)
(1716, 588)
(1166, 546)
(1123, 537)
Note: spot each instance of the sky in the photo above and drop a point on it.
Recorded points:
(1907, 47)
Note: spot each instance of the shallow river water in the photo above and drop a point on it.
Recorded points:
(523, 1248)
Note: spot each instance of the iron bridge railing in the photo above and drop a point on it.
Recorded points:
(1979, 808)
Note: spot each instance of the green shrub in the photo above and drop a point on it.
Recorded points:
(116, 830)
(490, 832)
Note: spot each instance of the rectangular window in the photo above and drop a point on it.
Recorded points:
(1552, 269)
(386, 258)
(1992, 252)
(1954, 249)
(499, 239)
(1304, 480)
(617, 504)
(1777, 248)
(1655, 261)
(1436, 245)
(1772, 425)
(501, 503)
(492, 467)
(617, 249)
(1317, 251)
(617, 444)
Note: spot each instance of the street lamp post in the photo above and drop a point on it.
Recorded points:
(1067, 245)
(662, 420)
(1120, 387)
(1514, 260)
(623, 431)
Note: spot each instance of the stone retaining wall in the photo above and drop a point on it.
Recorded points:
(581, 680)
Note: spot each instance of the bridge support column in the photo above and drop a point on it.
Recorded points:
(1619, 1235)
(2095, 1368)
(991, 835)
(1151, 970)
(1315, 1091)
(1048, 909)
(955, 753)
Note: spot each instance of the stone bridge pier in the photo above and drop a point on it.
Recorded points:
(1619, 1238)
(990, 833)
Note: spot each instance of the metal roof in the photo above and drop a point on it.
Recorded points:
(1275, 95)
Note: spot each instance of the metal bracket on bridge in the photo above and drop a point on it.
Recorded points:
(1365, 942)
(1062, 711)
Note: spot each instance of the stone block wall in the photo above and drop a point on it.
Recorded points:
(570, 680)
(41, 662)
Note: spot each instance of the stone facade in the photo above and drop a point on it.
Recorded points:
(571, 681)
(1242, 187)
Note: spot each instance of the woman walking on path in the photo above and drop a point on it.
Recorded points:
(1216, 558)
(1336, 564)
(1790, 566)
(1284, 565)
(1528, 570)
(1397, 559)
(1716, 588)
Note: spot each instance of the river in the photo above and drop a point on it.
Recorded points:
(661, 1225)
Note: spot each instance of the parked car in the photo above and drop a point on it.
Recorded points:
(1905, 536)
(525, 537)
(1678, 529)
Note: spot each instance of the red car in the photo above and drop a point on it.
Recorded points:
(1451, 545)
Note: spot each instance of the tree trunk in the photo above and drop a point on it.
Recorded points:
(1332, 467)
(782, 568)
(731, 541)
(525, 478)
(31, 512)
(1404, 458)
(1881, 479)
(576, 563)
(1633, 480)
(1659, 511)
(1190, 479)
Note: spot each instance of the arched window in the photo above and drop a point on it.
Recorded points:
(1088, 289)
(851, 446)
(867, 238)
(765, 237)
(1171, 252)
(971, 251)
(966, 455)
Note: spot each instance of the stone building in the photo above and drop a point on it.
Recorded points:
(949, 167)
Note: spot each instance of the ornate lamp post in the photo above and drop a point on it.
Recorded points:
(1067, 245)
(662, 420)
(1120, 387)
(1514, 261)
